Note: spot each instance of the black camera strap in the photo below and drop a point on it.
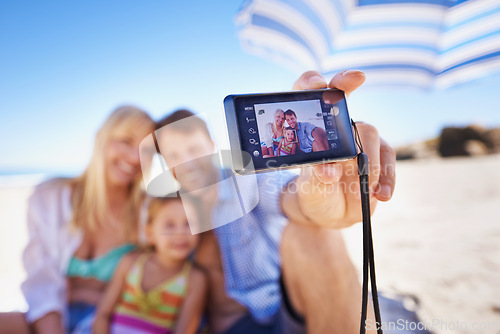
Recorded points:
(368, 256)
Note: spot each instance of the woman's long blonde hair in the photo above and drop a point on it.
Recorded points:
(89, 200)
(273, 124)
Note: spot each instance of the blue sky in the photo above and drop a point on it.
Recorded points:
(65, 65)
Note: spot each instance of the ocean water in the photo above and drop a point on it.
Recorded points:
(26, 178)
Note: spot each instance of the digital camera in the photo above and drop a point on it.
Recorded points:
(288, 129)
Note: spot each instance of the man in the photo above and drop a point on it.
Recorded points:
(267, 275)
(311, 137)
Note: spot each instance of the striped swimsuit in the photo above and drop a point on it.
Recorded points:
(153, 312)
(286, 149)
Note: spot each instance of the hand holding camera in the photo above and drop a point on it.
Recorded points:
(316, 133)
(312, 130)
(328, 194)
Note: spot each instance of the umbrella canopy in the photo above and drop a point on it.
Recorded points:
(396, 42)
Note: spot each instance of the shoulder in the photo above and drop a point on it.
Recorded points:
(52, 187)
(268, 129)
(50, 198)
(307, 125)
(127, 261)
(197, 276)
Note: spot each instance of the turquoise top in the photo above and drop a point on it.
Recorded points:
(101, 267)
(276, 143)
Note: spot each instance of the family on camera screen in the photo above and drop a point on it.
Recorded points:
(281, 132)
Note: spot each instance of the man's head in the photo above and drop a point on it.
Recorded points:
(291, 118)
(186, 146)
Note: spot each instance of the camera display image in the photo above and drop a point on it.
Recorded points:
(288, 128)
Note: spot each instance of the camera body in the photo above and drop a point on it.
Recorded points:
(288, 129)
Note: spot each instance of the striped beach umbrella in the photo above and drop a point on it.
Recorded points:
(419, 43)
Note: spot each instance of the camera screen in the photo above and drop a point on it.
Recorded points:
(292, 128)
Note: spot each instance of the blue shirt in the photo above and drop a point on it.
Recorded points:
(304, 132)
(249, 245)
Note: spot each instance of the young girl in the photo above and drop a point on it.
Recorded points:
(159, 291)
(288, 143)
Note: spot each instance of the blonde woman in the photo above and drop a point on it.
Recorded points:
(272, 135)
(80, 228)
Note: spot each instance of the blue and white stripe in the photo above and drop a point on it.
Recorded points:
(396, 42)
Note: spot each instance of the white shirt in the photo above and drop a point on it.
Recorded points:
(267, 136)
(51, 244)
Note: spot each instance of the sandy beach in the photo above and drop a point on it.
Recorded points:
(438, 240)
(13, 237)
